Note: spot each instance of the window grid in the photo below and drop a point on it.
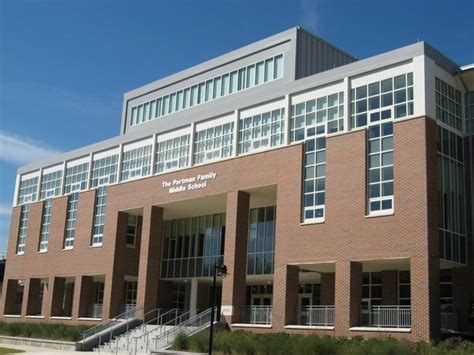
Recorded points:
(261, 131)
(404, 293)
(136, 163)
(23, 228)
(172, 154)
(76, 178)
(451, 199)
(214, 143)
(324, 114)
(446, 290)
(192, 246)
(469, 109)
(99, 216)
(380, 100)
(371, 290)
(51, 184)
(71, 216)
(261, 241)
(131, 292)
(448, 105)
(131, 235)
(28, 190)
(45, 225)
(104, 171)
(380, 167)
(229, 83)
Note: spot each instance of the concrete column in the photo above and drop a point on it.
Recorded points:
(389, 287)
(235, 255)
(193, 297)
(425, 303)
(285, 296)
(33, 306)
(327, 288)
(69, 298)
(150, 257)
(46, 305)
(348, 296)
(58, 289)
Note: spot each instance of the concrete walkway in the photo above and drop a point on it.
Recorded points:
(42, 351)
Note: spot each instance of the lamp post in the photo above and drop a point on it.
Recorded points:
(223, 273)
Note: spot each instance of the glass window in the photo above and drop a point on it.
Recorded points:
(99, 216)
(22, 229)
(27, 191)
(104, 171)
(261, 131)
(76, 178)
(261, 241)
(51, 184)
(136, 163)
(172, 154)
(71, 214)
(213, 143)
(45, 225)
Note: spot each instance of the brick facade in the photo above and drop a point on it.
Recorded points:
(347, 238)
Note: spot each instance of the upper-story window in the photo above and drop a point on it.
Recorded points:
(380, 167)
(28, 190)
(136, 163)
(22, 229)
(99, 216)
(261, 241)
(214, 143)
(469, 102)
(71, 215)
(448, 105)
(223, 85)
(51, 184)
(261, 131)
(131, 235)
(76, 178)
(104, 170)
(324, 114)
(45, 225)
(172, 153)
(385, 99)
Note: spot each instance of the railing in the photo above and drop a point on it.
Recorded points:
(191, 326)
(449, 317)
(257, 314)
(317, 315)
(180, 317)
(107, 327)
(387, 317)
(95, 310)
(126, 311)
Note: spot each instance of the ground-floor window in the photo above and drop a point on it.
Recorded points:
(446, 290)
(131, 292)
(178, 296)
(404, 298)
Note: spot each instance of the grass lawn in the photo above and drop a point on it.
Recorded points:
(10, 351)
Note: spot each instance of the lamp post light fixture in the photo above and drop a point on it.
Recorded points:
(222, 269)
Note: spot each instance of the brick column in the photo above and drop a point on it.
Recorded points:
(83, 296)
(327, 288)
(285, 296)
(389, 287)
(24, 302)
(113, 295)
(235, 255)
(33, 296)
(425, 303)
(58, 289)
(150, 255)
(348, 296)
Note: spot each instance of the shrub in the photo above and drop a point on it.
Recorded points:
(199, 342)
(43, 331)
(181, 342)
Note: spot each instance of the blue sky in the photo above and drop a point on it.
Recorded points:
(65, 64)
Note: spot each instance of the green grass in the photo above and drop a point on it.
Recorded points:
(10, 351)
(246, 343)
(43, 331)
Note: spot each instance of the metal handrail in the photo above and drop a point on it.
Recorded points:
(178, 327)
(147, 334)
(390, 316)
(260, 314)
(319, 315)
(100, 327)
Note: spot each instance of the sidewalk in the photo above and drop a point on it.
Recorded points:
(42, 351)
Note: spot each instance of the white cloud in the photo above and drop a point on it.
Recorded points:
(22, 150)
(310, 15)
(5, 210)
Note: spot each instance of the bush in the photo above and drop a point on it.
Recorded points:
(181, 342)
(245, 343)
(43, 331)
